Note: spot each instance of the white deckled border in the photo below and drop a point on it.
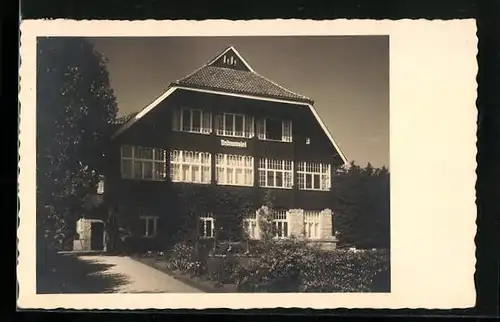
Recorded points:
(433, 160)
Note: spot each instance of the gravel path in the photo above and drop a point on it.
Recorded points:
(137, 277)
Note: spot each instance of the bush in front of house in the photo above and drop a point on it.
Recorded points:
(223, 260)
(278, 268)
(346, 271)
(187, 259)
(290, 266)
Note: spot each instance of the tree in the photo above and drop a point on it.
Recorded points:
(75, 107)
(232, 207)
(362, 200)
(266, 216)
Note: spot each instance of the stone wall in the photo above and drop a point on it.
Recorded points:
(296, 223)
(296, 228)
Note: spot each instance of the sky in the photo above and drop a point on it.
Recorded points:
(346, 76)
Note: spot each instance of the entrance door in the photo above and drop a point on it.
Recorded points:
(97, 236)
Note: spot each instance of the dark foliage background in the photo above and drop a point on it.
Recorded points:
(361, 203)
(75, 105)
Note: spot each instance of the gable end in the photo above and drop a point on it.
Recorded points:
(230, 58)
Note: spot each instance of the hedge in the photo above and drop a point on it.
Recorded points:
(285, 266)
(294, 267)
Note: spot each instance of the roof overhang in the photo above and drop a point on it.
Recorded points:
(172, 89)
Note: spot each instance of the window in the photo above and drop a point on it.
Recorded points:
(251, 226)
(229, 60)
(311, 223)
(190, 166)
(237, 125)
(143, 163)
(274, 129)
(276, 173)
(313, 176)
(192, 120)
(206, 226)
(280, 224)
(234, 170)
(149, 226)
(100, 187)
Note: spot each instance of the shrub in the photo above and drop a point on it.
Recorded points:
(344, 271)
(184, 258)
(290, 266)
(278, 269)
(221, 267)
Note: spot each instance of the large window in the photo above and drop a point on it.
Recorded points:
(274, 129)
(143, 163)
(237, 125)
(280, 224)
(313, 176)
(276, 173)
(190, 166)
(234, 170)
(192, 120)
(149, 226)
(311, 224)
(206, 226)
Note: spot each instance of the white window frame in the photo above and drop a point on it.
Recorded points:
(178, 162)
(267, 165)
(225, 163)
(280, 221)
(286, 130)
(100, 186)
(148, 220)
(251, 225)
(322, 170)
(203, 220)
(157, 174)
(178, 121)
(312, 224)
(248, 123)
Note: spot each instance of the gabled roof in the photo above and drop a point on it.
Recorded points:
(229, 72)
(228, 76)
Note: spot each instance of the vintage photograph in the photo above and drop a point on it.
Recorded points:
(216, 164)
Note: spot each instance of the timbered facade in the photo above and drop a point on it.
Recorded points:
(225, 126)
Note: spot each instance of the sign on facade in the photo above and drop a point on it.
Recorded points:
(234, 144)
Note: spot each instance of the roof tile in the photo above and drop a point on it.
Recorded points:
(238, 81)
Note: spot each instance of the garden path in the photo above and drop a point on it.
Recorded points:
(139, 277)
(99, 273)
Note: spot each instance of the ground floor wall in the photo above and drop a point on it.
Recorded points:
(176, 212)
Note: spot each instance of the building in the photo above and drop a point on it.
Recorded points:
(228, 129)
